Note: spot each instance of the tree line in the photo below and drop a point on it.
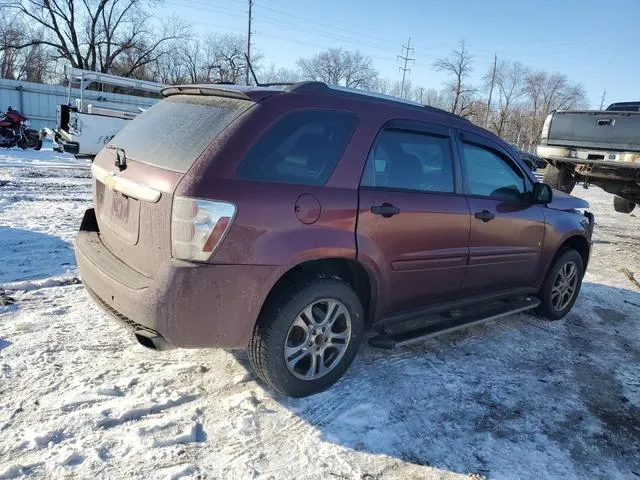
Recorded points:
(122, 37)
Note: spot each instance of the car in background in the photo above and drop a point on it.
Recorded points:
(534, 162)
(285, 221)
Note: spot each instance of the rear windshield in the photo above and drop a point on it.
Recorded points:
(175, 131)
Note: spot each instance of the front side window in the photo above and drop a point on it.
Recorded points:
(302, 148)
(491, 175)
(410, 161)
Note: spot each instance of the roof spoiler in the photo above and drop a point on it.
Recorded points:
(212, 90)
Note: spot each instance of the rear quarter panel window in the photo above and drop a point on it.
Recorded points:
(302, 147)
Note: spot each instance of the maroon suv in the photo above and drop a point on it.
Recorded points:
(285, 221)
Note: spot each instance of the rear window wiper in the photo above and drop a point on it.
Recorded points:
(121, 156)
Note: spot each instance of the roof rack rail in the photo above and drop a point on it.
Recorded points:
(315, 86)
(308, 86)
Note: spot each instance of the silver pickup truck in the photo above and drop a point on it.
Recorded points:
(595, 147)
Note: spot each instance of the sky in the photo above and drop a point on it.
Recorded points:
(594, 43)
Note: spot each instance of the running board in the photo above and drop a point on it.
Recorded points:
(392, 340)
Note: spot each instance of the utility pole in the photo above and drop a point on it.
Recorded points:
(604, 94)
(248, 43)
(493, 79)
(405, 59)
(421, 90)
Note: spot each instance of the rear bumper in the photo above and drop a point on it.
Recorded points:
(70, 147)
(185, 305)
(583, 156)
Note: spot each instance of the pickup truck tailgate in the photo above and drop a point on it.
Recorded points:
(602, 130)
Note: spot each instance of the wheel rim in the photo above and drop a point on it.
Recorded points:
(317, 339)
(564, 286)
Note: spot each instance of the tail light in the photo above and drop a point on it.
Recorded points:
(198, 227)
(545, 127)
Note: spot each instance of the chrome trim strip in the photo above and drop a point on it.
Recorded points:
(125, 186)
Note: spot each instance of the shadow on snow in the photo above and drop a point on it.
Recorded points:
(521, 398)
(27, 254)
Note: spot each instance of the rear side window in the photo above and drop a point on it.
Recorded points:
(302, 147)
(410, 161)
(175, 131)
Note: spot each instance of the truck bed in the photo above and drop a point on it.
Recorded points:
(600, 130)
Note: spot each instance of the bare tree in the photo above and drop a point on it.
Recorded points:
(224, 58)
(191, 57)
(276, 75)
(546, 93)
(434, 98)
(459, 65)
(100, 35)
(340, 67)
(11, 37)
(387, 86)
(509, 78)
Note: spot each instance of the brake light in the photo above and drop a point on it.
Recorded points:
(198, 227)
(545, 127)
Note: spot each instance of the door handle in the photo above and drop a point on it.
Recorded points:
(386, 210)
(484, 215)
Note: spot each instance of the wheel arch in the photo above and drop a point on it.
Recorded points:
(351, 271)
(575, 242)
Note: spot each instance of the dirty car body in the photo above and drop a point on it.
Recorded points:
(258, 196)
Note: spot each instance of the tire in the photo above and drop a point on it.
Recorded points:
(622, 205)
(280, 325)
(559, 178)
(38, 145)
(550, 307)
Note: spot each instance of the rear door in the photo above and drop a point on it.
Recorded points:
(133, 201)
(413, 221)
(507, 231)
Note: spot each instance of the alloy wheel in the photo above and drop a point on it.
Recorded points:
(317, 339)
(564, 286)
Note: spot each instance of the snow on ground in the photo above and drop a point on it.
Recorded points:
(519, 398)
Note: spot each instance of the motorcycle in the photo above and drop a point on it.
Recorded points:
(14, 131)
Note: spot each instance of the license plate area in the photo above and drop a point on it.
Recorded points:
(121, 214)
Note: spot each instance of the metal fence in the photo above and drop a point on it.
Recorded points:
(38, 102)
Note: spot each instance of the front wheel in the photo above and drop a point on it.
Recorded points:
(307, 337)
(561, 286)
(559, 178)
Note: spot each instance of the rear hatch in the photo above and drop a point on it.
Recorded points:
(601, 130)
(133, 204)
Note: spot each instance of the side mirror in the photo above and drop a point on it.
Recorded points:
(542, 194)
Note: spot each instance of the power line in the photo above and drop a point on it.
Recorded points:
(406, 59)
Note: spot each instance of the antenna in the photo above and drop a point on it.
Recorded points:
(253, 74)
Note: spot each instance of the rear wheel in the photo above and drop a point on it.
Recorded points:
(622, 205)
(559, 178)
(562, 285)
(307, 337)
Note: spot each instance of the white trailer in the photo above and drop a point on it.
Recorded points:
(84, 127)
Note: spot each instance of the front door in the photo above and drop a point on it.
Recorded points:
(413, 220)
(507, 230)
